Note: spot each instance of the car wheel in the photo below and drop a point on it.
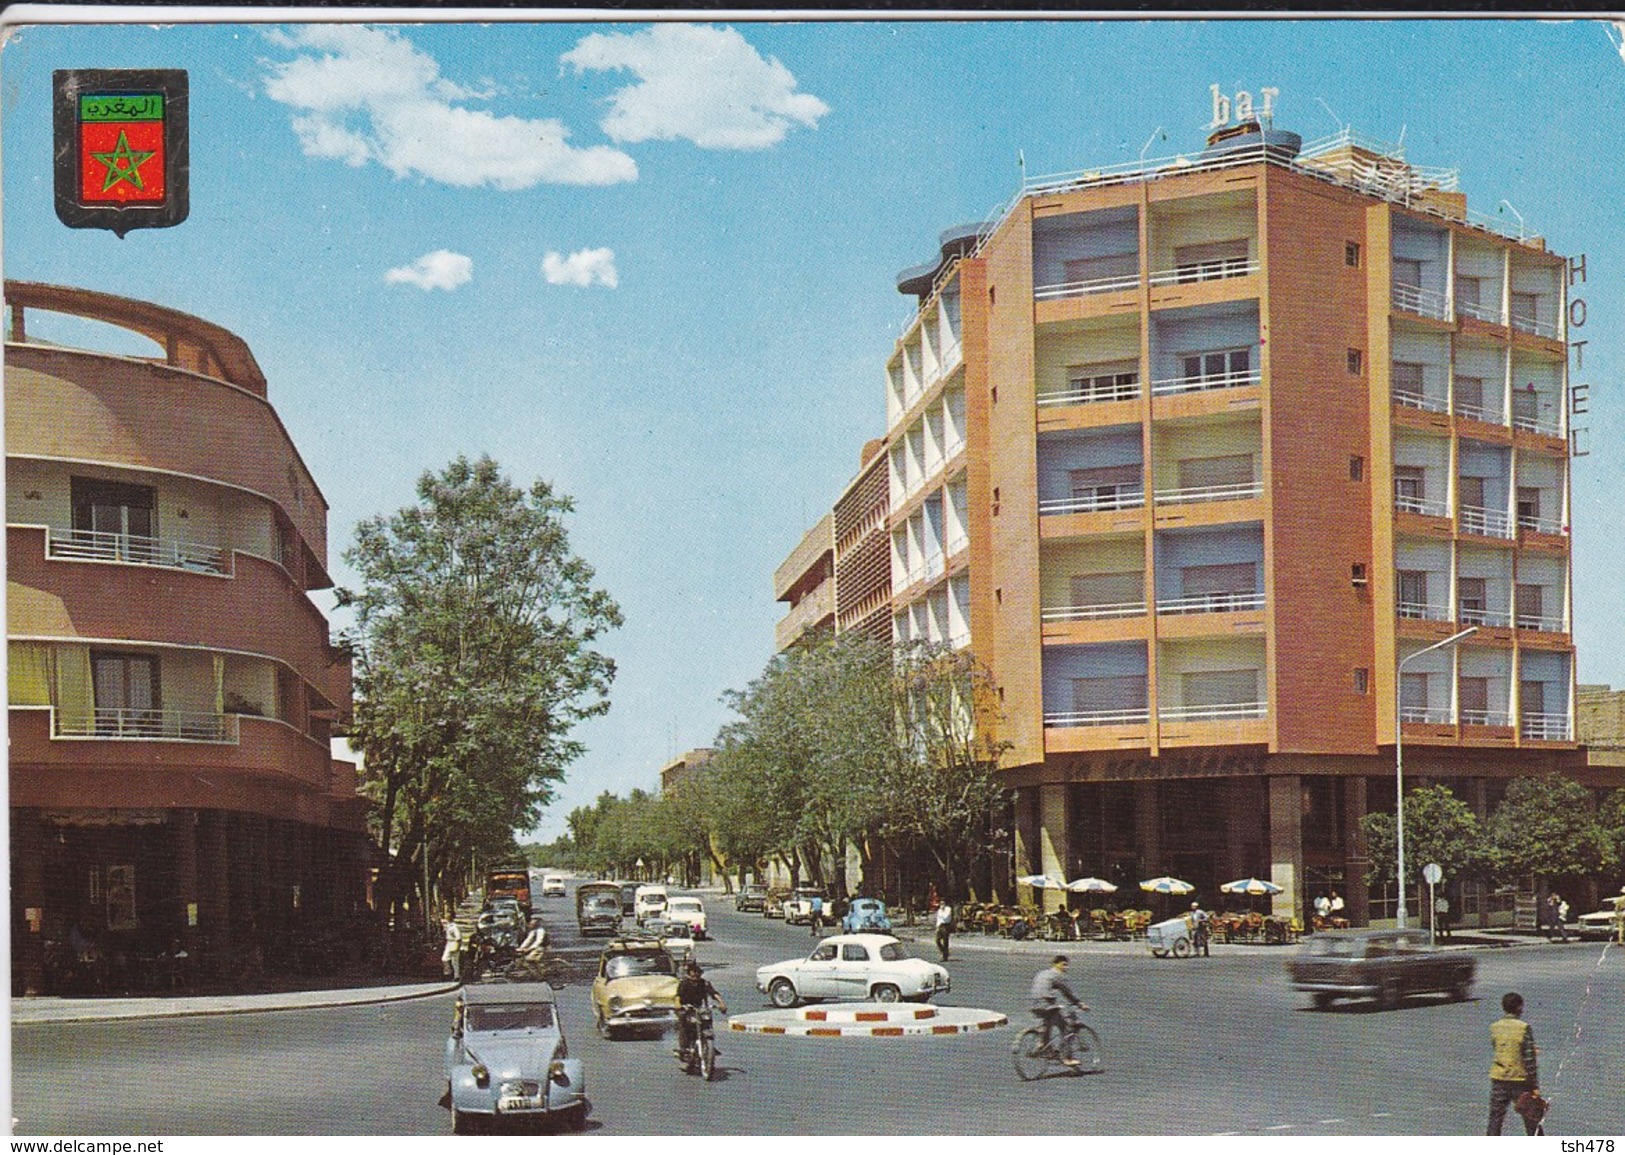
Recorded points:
(1322, 999)
(886, 993)
(782, 992)
(575, 1118)
(461, 1124)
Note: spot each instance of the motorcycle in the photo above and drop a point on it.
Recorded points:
(699, 1052)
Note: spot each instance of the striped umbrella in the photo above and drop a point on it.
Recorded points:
(1254, 886)
(1090, 886)
(1042, 881)
(1166, 885)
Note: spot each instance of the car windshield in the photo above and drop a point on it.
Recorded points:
(688, 904)
(508, 1017)
(893, 952)
(604, 902)
(624, 966)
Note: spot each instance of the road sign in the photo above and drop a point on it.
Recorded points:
(121, 148)
(1431, 874)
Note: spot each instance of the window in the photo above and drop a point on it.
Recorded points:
(1531, 607)
(1471, 601)
(1356, 468)
(1410, 487)
(1531, 698)
(127, 693)
(1525, 307)
(1220, 587)
(854, 952)
(113, 519)
(1413, 694)
(1470, 397)
(1407, 272)
(1410, 385)
(1351, 254)
(1116, 267)
(1474, 697)
(1228, 472)
(1528, 507)
(1467, 290)
(824, 953)
(1107, 487)
(1116, 381)
(1206, 262)
(1219, 688)
(1472, 492)
(1362, 680)
(1122, 694)
(1356, 361)
(1108, 589)
(1222, 366)
(1413, 593)
(1357, 575)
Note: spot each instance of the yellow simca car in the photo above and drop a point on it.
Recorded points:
(636, 987)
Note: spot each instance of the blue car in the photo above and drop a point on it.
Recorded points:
(506, 1059)
(866, 916)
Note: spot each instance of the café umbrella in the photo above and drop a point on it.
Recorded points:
(1090, 886)
(1042, 881)
(1253, 886)
(1166, 885)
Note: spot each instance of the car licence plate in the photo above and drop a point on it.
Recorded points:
(518, 1103)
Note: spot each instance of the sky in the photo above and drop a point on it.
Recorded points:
(654, 264)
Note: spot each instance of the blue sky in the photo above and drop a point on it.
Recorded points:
(654, 264)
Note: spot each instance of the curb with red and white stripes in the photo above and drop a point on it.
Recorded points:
(868, 1020)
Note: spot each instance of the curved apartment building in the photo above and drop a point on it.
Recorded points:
(171, 685)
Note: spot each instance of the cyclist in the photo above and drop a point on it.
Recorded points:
(1049, 988)
(694, 990)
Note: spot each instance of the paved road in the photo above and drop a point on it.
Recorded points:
(1204, 1045)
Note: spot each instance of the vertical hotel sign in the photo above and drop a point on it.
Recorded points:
(121, 148)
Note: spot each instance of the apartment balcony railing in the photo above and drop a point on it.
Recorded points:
(932, 567)
(1422, 612)
(1547, 329)
(1098, 718)
(1544, 727)
(1220, 713)
(1093, 502)
(1480, 413)
(1093, 613)
(1485, 718)
(161, 725)
(1540, 525)
(1490, 313)
(1238, 492)
(1543, 624)
(1114, 284)
(1485, 522)
(957, 543)
(1412, 399)
(1090, 394)
(958, 639)
(1544, 425)
(170, 553)
(1215, 270)
(1427, 715)
(1408, 504)
(1219, 602)
(1423, 302)
(1475, 616)
(1201, 383)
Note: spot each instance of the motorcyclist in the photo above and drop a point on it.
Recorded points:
(1049, 988)
(694, 991)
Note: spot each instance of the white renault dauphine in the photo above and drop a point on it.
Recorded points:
(872, 967)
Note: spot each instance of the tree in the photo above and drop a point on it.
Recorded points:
(474, 661)
(1544, 827)
(1611, 817)
(1439, 827)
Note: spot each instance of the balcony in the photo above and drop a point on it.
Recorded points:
(1544, 727)
(1411, 398)
(1476, 412)
(148, 725)
(1202, 382)
(1485, 522)
(1098, 718)
(1090, 392)
(1546, 329)
(1218, 602)
(1093, 501)
(129, 549)
(1423, 302)
(1479, 312)
(1533, 524)
(1486, 718)
(1531, 424)
(1405, 503)
(1093, 613)
(1237, 492)
(1422, 612)
(930, 569)
(1114, 284)
(1427, 715)
(1542, 624)
(1478, 616)
(1219, 269)
(1224, 712)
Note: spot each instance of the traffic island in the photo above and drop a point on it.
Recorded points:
(868, 1020)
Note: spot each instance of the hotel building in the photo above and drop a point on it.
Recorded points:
(1197, 456)
(171, 684)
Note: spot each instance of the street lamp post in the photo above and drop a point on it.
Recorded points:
(1399, 761)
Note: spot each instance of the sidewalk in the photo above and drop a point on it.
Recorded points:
(921, 935)
(56, 1009)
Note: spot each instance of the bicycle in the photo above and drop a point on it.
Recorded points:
(1033, 1057)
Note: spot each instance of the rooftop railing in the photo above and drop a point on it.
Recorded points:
(169, 553)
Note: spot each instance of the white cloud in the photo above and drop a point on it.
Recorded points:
(696, 83)
(365, 94)
(441, 269)
(582, 267)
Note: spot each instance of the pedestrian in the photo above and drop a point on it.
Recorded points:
(1441, 915)
(451, 958)
(1560, 912)
(815, 915)
(1323, 906)
(1548, 916)
(945, 927)
(1335, 904)
(1199, 929)
(1512, 1070)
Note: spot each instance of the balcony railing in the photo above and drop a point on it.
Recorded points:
(1092, 502)
(956, 543)
(1485, 522)
(1485, 718)
(161, 725)
(1412, 399)
(1219, 602)
(1198, 384)
(1408, 504)
(1093, 613)
(1475, 616)
(1421, 611)
(1423, 302)
(1547, 329)
(1544, 727)
(1544, 625)
(932, 567)
(1238, 492)
(1220, 269)
(1480, 413)
(1543, 425)
(1427, 715)
(1090, 394)
(1098, 718)
(170, 553)
(1114, 284)
(1478, 312)
(1540, 525)
(1220, 713)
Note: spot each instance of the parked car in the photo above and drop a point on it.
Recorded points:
(506, 1058)
(798, 907)
(649, 902)
(1604, 923)
(636, 986)
(1385, 965)
(751, 896)
(852, 966)
(690, 911)
(773, 904)
(553, 886)
(866, 915)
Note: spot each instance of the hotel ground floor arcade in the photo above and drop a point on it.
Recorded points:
(1212, 816)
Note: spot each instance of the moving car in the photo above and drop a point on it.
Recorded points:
(598, 908)
(636, 987)
(751, 896)
(1385, 965)
(852, 966)
(676, 937)
(866, 914)
(506, 1058)
(553, 886)
(649, 901)
(690, 911)
(798, 907)
(773, 904)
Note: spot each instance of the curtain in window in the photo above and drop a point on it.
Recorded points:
(75, 695)
(29, 673)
